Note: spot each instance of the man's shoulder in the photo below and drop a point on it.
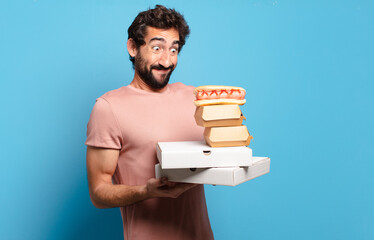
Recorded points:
(114, 94)
(178, 86)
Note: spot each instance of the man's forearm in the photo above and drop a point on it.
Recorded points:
(107, 195)
(110, 195)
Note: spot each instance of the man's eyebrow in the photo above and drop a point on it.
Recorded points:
(177, 42)
(157, 39)
(163, 40)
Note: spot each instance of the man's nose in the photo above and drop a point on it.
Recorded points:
(165, 59)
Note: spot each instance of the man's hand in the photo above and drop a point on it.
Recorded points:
(163, 188)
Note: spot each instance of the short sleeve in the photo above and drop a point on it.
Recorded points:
(102, 128)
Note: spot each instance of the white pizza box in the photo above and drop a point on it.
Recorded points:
(217, 176)
(197, 154)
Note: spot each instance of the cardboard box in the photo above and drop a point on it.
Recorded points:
(217, 176)
(196, 154)
(219, 115)
(227, 136)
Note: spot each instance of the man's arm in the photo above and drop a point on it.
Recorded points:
(101, 165)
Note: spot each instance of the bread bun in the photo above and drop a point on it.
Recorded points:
(218, 101)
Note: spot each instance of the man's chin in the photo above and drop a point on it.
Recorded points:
(157, 83)
(161, 78)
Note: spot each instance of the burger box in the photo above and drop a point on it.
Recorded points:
(227, 136)
(216, 176)
(196, 154)
(219, 115)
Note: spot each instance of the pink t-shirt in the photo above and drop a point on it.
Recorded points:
(133, 121)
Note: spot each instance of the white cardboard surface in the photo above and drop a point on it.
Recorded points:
(217, 176)
(197, 154)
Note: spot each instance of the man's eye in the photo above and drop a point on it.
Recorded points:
(156, 48)
(174, 50)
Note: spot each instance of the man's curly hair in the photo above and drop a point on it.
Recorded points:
(159, 17)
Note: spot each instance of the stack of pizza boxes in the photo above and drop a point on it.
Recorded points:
(223, 158)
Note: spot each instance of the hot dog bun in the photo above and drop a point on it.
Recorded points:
(216, 94)
(218, 101)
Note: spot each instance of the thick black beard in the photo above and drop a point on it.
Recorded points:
(147, 76)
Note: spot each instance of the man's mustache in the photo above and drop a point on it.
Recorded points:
(160, 67)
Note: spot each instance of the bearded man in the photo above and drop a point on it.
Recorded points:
(125, 125)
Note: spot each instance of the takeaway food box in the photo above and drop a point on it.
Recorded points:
(223, 125)
(219, 115)
(196, 162)
(196, 154)
(217, 176)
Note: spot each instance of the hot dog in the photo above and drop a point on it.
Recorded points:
(212, 94)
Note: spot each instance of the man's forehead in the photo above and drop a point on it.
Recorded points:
(167, 35)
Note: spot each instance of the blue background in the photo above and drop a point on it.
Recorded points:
(307, 66)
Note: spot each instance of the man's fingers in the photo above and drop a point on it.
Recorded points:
(178, 189)
(160, 183)
(188, 185)
(185, 186)
(156, 182)
(165, 181)
(163, 188)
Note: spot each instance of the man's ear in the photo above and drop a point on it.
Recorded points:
(131, 47)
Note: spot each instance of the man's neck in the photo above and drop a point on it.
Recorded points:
(137, 82)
